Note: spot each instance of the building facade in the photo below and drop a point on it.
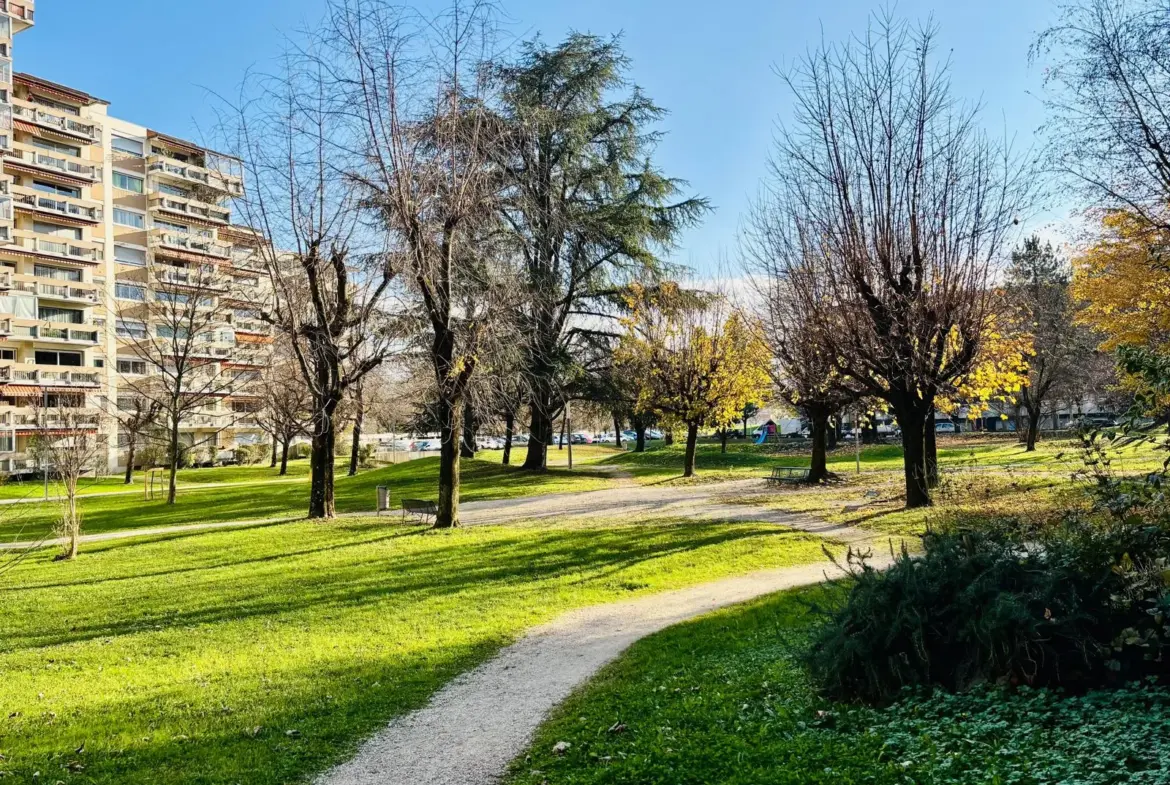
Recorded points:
(99, 218)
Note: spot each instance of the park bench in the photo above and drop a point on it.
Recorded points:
(787, 474)
(423, 510)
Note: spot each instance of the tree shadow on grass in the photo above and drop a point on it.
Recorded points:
(368, 573)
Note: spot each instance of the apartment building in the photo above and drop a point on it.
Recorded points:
(100, 217)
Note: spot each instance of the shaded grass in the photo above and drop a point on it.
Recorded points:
(413, 479)
(264, 655)
(724, 699)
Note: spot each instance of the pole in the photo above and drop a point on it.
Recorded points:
(44, 462)
(569, 433)
(857, 439)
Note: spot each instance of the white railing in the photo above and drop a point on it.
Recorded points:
(66, 292)
(48, 204)
(67, 334)
(62, 249)
(56, 163)
(56, 122)
(194, 244)
(161, 164)
(183, 207)
(55, 378)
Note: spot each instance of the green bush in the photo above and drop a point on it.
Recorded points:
(302, 450)
(250, 454)
(1082, 605)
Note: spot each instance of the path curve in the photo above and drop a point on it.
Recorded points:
(477, 724)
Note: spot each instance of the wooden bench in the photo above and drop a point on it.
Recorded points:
(787, 474)
(423, 510)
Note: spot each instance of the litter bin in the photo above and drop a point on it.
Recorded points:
(383, 499)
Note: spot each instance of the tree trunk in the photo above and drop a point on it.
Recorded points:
(509, 426)
(1033, 429)
(284, 458)
(171, 483)
(359, 417)
(668, 437)
(130, 460)
(561, 440)
(470, 430)
(71, 520)
(832, 433)
(540, 432)
(451, 432)
(818, 469)
(617, 430)
(272, 465)
(692, 442)
(912, 422)
(723, 441)
(745, 427)
(930, 450)
(640, 443)
(321, 459)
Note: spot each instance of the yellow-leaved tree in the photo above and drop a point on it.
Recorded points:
(1122, 281)
(694, 359)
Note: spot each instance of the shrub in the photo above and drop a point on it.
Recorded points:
(250, 454)
(366, 453)
(1081, 605)
(302, 450)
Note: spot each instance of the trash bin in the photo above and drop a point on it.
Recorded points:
(383, 498)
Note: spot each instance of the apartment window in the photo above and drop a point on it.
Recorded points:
(172, 297)
(173, 190)
(129, 218)
(99, 362)
(172, 227)
(125, 291)
(7, 439)
(72, 359)
(127, 329)
(128, 182)
(8, 354)
(56, 190)
(56, 273)
(131, 367)
(129, 255)
(125, 145)
(48, 314)
(56, 147)
(59, 106)
(56, 230)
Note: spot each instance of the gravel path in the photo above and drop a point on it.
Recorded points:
(477, 724)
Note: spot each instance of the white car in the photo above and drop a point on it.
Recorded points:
(945, 427)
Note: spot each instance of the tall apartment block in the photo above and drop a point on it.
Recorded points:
(98, 214)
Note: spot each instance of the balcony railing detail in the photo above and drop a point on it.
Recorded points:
(193, 209)
(53, 378)
(48, 204)
(161, 164)
(65, 250)
(57, 164)
(57, 122)
(194, 244)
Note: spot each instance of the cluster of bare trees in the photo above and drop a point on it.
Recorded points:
(878, 236)
(471, 217)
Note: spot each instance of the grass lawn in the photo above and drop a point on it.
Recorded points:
(723, 699)
(260, 656)
(412, 479)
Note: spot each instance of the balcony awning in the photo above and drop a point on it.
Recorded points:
(29, 429)
(36, 390)
(55, 133)
(56, 217)
(54, 88)
(17, 250)
(252, 338)
(47, 173)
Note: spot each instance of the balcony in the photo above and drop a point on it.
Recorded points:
(51, 334)
(165, 166)
(192, 244)
(22, 12)
(18, 463)
(74, 251)
(67, 166)
(72, 294)
(6, 280)
(30, 420)
(50, 205)
(37, 376)
(58, 123)
(190, 208)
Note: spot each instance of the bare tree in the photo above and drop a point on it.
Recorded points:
(418, 91)
(901, 205)
(287, 406)
(67, 441)
(330, 281)
(1108, 80)
(138, 419)
(175, 321)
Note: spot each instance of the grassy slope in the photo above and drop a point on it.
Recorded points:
(723, 700)
(414, 479)
(262, 655)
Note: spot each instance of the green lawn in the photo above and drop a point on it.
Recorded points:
(16, 488)
(723, 699)
(259, 656)
(412, 479)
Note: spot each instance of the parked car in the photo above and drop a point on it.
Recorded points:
(580, 437)
(427, 445)
(630, 436)
(489, 443)
(519, 438)
(654, 434)
(945, 427)
(605, 438)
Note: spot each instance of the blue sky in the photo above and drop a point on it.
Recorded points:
(709, 63)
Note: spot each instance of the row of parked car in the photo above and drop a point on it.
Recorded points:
(519, 439)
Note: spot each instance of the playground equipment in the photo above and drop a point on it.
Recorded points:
(762, 436)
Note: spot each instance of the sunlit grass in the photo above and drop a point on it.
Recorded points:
(263, 655)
